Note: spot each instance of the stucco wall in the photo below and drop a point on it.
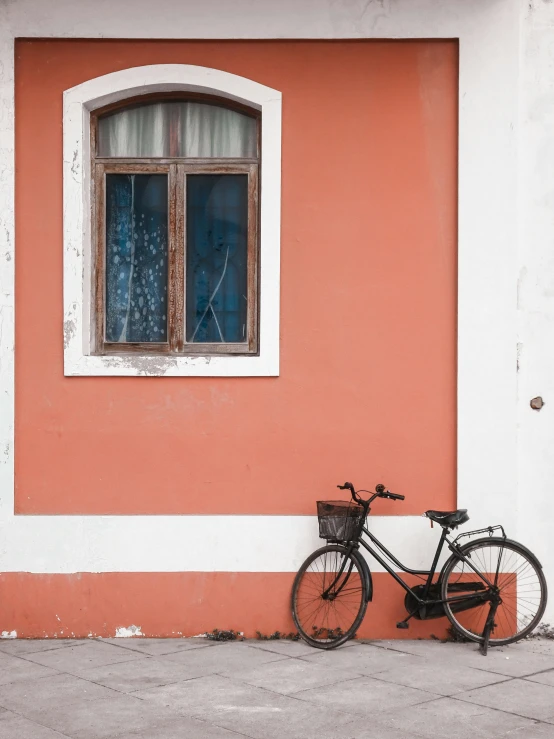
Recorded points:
(535, 284)
(503, 447)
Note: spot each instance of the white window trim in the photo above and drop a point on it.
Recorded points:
(78, 103)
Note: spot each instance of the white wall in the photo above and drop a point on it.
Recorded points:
(505, 235)
(535, 280)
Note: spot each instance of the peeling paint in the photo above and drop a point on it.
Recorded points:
(124, 632)
(8, 635)
(69, 329)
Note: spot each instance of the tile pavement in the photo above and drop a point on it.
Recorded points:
(197, 689)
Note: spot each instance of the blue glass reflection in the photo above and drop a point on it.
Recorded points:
(217, 241)
(136, 257)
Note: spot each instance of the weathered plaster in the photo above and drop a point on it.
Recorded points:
(497, 480)
(78, 324)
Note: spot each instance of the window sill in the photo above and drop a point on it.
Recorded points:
(170, 365)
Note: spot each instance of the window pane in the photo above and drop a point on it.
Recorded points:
(177, 129)
(136, 257)
(216, 258)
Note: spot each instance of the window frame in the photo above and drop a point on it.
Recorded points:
(178, 169)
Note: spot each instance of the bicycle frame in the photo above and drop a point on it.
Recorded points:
(429, 574)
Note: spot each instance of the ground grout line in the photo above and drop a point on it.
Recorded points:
(500, 710)
(45, 649)
(145, 654)
(33, 721)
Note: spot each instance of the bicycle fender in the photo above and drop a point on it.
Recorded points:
(367, 577)
(488, 539)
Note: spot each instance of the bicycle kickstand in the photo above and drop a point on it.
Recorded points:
(489, 626)
(404, 624)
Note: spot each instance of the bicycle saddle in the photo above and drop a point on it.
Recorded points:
(448, 519)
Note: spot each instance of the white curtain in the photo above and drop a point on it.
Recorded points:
(177, 129)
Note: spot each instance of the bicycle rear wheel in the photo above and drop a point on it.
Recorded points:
(329, 596)
(521, 585)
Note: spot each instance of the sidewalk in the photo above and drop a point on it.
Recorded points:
(194, 688)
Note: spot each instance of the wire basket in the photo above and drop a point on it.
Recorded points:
(339, 520)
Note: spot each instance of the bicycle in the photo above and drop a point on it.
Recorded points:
(492, 589)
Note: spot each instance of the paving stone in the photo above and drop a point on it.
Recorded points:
(250, 710)
(156, 647)
(546, 678)
(223, 658)
(362, 659)
(441, 679)
(77, 660)
(140, 674)
(449, 717)
(14, 669)
(425, 647)
(285, 647)
(22, 647)
(522, 697)
(538, 730)
(185, 728)
(365, 696)
(508, 661)
(13, 726)
(290, 676)
(201, 697)
(511, 660)
(107, 717)
(30, 695)
(543, 646)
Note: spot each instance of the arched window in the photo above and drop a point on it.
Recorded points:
(175, 214)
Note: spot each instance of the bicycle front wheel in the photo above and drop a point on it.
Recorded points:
(329, 596)
(520, 583)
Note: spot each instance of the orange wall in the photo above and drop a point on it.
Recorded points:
(180, 604)
(368, 337)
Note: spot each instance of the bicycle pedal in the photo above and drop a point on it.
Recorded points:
(402, 625)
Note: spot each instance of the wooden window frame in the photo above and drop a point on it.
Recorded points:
(177, 169)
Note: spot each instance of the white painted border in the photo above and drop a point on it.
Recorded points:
(78, 103)
(488, 32)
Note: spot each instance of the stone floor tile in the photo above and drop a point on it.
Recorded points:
(203, 696)
(362, 659)
(223, 658)
(248, 710)
(513, 660)
(14, 669)
(283, 646)
(422, 647)
(537, 730)
(156, 647)
(509, 661)
(542, 646)
(140, 674)
(13, 726)
(185, 728)
(442, 679)
(448, 717)
(76, 660)
(290, 676)
(106, 717)
(546, 678)
(364, 696)
(521, 697)
(27, 695)
(22, 647)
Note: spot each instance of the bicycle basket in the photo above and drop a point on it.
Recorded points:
(339, 520)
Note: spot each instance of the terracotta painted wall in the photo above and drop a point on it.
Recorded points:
(368, 338)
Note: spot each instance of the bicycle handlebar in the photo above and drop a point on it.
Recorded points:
(380, 492)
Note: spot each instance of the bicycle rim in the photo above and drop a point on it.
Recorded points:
(329, 597)
(521, 587)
